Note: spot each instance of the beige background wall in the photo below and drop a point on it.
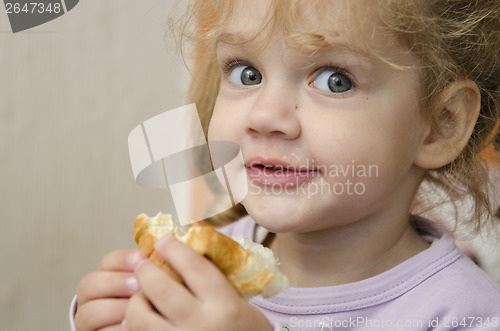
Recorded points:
(70, 92)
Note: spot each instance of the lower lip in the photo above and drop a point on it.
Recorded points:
(279, 177)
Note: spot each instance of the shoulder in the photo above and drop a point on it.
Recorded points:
(460, 296)
(455, 287)
(466, 287)
(457, 296)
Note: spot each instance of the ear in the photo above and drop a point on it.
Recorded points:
(457, 109)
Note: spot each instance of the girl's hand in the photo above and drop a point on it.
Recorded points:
(206, 302)
(103, 295)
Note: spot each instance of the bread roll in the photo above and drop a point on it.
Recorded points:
(249, 267)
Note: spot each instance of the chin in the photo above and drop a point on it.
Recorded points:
(276, 220)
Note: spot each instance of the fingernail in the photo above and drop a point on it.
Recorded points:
(132, 284)
(123, 325)
(163, 241)
(134, 259)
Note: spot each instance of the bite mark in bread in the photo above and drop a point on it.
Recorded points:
(249, 267)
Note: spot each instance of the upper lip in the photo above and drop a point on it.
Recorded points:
(276, 163)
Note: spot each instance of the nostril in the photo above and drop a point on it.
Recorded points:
(251, 131)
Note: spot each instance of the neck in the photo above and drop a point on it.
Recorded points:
(346, 254)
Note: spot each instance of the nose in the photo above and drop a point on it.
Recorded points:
(274, 113)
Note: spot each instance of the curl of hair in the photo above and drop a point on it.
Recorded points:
(455, 40)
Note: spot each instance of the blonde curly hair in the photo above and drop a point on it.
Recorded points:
(452, 39)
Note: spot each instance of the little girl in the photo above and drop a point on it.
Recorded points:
(342, 109)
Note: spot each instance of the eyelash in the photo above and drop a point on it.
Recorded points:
(337, 69)
(230, 64)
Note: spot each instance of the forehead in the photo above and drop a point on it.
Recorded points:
(310, 24)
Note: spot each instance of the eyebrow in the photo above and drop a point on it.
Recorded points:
(240, 39)
(235, 38)
(348, 49)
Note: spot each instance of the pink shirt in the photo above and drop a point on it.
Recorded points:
(438, 289)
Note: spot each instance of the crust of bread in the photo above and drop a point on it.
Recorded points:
(146, 243)
(228, 255)
(224, 252)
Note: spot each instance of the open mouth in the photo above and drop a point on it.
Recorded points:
(278, 174)
(273, 168)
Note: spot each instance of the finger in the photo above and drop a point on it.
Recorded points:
(123, 326)
(201, 276)
(170, 298)
(106, 284)
(141, 316)
(100, 313)
(121, 260)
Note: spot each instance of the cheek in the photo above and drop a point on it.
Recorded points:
(228, 120)
(213, 129)
(335, 141)
(370, 147)
(216, 127)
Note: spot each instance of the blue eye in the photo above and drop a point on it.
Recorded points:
(332, 81)
(245, 75)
